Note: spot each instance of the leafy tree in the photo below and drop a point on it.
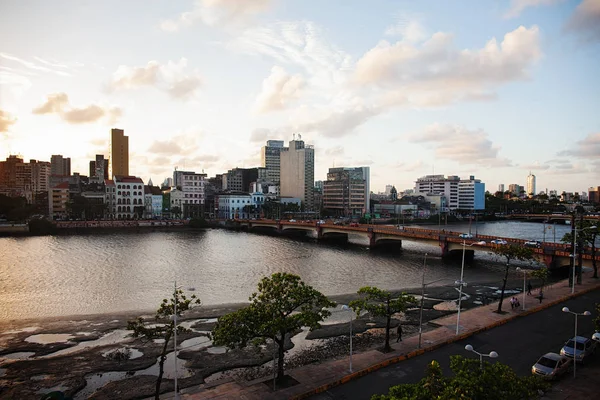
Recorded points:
(586, 236)
(381, 303)
(164, 326)
(469, 381)
(597, 319)
(541, 274)
(176, 211)
(282, 305)
(511, 252)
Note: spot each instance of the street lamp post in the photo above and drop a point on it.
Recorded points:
(524, 282)
(175, 336)
(585, 313)
(461, 283)
(492, 354)
(575, 255)
(422, 300)
(345, 307)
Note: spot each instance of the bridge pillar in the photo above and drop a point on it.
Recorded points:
(372, 240)
(319, 232)
(550, 260)
(444, 246)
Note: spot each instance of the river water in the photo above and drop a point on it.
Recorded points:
(118, 272)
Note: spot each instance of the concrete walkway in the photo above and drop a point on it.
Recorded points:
(316, 378)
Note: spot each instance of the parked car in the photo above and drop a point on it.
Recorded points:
(552, 365)
(465, 236)
(533, 243)
(499, 241)
(596, 336)
(580, 348)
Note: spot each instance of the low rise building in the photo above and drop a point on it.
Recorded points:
(130, 197)
(58, 198)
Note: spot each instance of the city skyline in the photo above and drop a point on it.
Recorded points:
(419, 89)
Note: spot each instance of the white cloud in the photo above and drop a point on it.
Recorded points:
(408, 28)
(585, 21)
(58, 103)
(457, 143)
(217, 13)
(32, 65)
(435, 73)
(6, 120)
(171, 78)
(279, 89)
(261, 135)
(517, 6)
(586, 148)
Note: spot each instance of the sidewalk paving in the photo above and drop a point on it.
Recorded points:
(316, 378)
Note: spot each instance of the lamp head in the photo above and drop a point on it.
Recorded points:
(493, 354)
(566, 309)
(345, 307)
(469, 347)
(518, 269)
(592, 227)
(587, 313)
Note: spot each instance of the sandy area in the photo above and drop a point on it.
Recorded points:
(77, 354)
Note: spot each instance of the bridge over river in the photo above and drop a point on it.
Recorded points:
(553, 255)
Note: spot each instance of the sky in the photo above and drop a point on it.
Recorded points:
(490, 88)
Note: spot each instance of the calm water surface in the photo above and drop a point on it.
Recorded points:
(116, 272)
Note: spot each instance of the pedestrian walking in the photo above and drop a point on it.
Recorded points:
(512, 303)
(529, 288)
(399, 339)
(541, 296)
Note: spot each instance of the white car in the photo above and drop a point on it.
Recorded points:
(552, 365)
(499, 241)
(596, 336)
(465, 236)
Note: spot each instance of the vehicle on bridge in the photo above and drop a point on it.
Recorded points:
(499, 241)
(551, 366)
(533, 243)
(465, 236)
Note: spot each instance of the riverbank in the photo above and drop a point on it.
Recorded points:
(74, 352)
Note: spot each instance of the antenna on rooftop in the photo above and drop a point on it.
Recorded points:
(294, 136)
(299, 137)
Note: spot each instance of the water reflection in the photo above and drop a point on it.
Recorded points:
(116, 272)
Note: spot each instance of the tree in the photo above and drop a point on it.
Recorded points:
(381, 303)
(282, 305)
(164, 326)
(176, 211)
(511, 252)
(469, 381)
(585, 236)
(542, 275)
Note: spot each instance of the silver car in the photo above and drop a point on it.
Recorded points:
(579, 348)
(552, 365)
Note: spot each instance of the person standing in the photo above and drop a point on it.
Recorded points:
(541, 296)
(529, 288)
(399, 339)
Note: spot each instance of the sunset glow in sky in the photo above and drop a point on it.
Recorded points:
(491, 88)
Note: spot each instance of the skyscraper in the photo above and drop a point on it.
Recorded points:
(60, 166)
(501, 188)
(346, 191)
(297, 172)
(530, 184)
(270, 156)
(119, 153)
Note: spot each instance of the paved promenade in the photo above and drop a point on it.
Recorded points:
(317, 378)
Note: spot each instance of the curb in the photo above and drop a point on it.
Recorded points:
(435, 346)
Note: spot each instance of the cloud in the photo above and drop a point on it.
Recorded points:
(436, 73)
(536, 166)
(58, 103)
(6, 120)
(410, 166)
(32, 65)
(457, 143)
(334, 151)
(337, 124)
(171, 78)
(165, 147)
(217, 13)
(54, 104)
(408, 28)
(585, 21)
(586, 148)
(517, 6)
(279, 89)
(260, 135)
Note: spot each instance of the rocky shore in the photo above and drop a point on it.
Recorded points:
(94, 357)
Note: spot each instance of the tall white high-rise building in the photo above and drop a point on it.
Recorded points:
(270, 157)
(439, 184)
(530, 184)
(501, 188)
(297, 172)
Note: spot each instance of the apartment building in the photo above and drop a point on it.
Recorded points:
(297, 172)
(346, 191)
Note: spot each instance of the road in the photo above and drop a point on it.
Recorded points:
(518, 343)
